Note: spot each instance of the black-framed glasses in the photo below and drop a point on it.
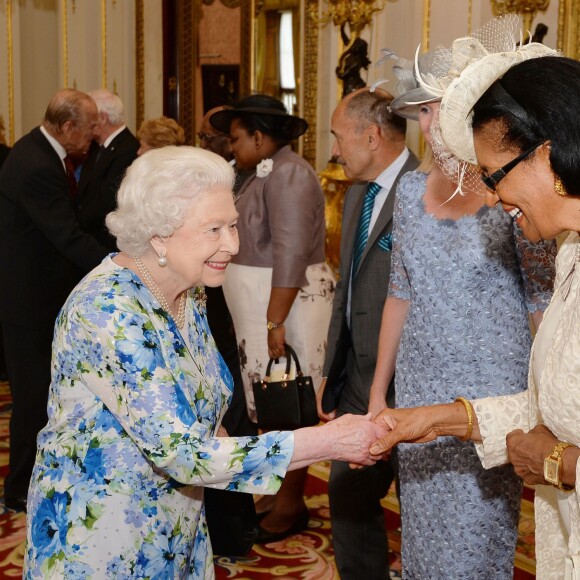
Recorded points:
(492, 180)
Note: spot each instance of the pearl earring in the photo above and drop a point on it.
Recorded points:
(162, 260)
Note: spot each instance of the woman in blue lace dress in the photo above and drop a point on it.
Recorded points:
(139, 390)
(463, 282)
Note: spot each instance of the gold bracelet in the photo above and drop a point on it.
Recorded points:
(470, 416)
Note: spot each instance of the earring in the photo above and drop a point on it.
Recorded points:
(559, 187)
(162, 260)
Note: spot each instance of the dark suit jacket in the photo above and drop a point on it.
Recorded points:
(43, 250)
(99, 182)
(351, 354)
(4, 150)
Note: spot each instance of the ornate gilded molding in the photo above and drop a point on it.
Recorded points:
(104, 43)
(65, 43)
(139, 63)
(358, 14)
(247, 83)
(187, 19)
(569, 28)
(526, 8)
(226, 3)
(426, 28)
(469, 16)
(310, 59)
(10, 53)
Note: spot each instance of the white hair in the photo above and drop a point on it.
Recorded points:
(109, 103)
(157, 190)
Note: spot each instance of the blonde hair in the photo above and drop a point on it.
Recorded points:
(161, 132)
(427, 161)
(157, 190)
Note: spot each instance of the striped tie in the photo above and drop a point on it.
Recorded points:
(362, 234)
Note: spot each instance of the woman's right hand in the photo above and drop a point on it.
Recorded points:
(351, 436)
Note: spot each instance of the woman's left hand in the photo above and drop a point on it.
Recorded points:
(276, 341)
(527, 451)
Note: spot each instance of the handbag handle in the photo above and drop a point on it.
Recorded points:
(290, 354)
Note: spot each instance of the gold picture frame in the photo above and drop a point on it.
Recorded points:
(568, 29)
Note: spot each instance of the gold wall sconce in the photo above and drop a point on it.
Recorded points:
(358, 14)
(526, 8)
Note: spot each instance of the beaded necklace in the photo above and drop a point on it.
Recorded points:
(155, 290)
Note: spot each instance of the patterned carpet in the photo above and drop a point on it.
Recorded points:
(307, 556)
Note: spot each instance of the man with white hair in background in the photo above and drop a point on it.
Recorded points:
(114, 149)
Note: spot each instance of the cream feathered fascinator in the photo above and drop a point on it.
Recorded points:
(477, 61)
(457, 77)
(422, 81)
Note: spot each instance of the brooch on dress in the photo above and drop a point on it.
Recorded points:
(200, 297)
(264, 168)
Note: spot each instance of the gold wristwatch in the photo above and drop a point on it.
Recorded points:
(272, 325)
(553, 467)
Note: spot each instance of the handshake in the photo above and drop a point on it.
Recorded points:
(364, 440)
(360, 439)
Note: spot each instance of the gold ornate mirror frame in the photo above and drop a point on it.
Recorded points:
(568, 28)
(309, 66)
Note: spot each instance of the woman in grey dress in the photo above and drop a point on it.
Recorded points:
(463, 281)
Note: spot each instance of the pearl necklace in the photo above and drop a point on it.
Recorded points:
(148, 279)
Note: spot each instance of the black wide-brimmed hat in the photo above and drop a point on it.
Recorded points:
(266, 108)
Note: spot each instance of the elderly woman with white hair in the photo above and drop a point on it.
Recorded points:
(139, 389)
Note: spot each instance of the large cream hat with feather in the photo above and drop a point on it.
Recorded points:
(477, 61)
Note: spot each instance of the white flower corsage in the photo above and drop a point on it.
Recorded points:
(264, 168)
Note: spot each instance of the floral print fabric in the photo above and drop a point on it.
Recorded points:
(133, 411)
(471, 283)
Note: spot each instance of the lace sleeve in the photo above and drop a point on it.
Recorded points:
(399, 286)
(498, 416)
(537, 265)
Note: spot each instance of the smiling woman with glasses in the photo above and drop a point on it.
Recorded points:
(451, 315)
(537, 431)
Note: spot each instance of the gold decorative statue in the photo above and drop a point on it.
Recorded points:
(527, 8)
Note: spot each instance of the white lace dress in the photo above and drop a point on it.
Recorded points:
(552, 398)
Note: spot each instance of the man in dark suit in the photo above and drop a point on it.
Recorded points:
(115, 148)
(370, 143)
(43, 254)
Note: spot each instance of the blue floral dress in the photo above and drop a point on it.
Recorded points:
(471, 283)
(134, 406)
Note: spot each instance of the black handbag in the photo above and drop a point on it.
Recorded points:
(286, 404)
